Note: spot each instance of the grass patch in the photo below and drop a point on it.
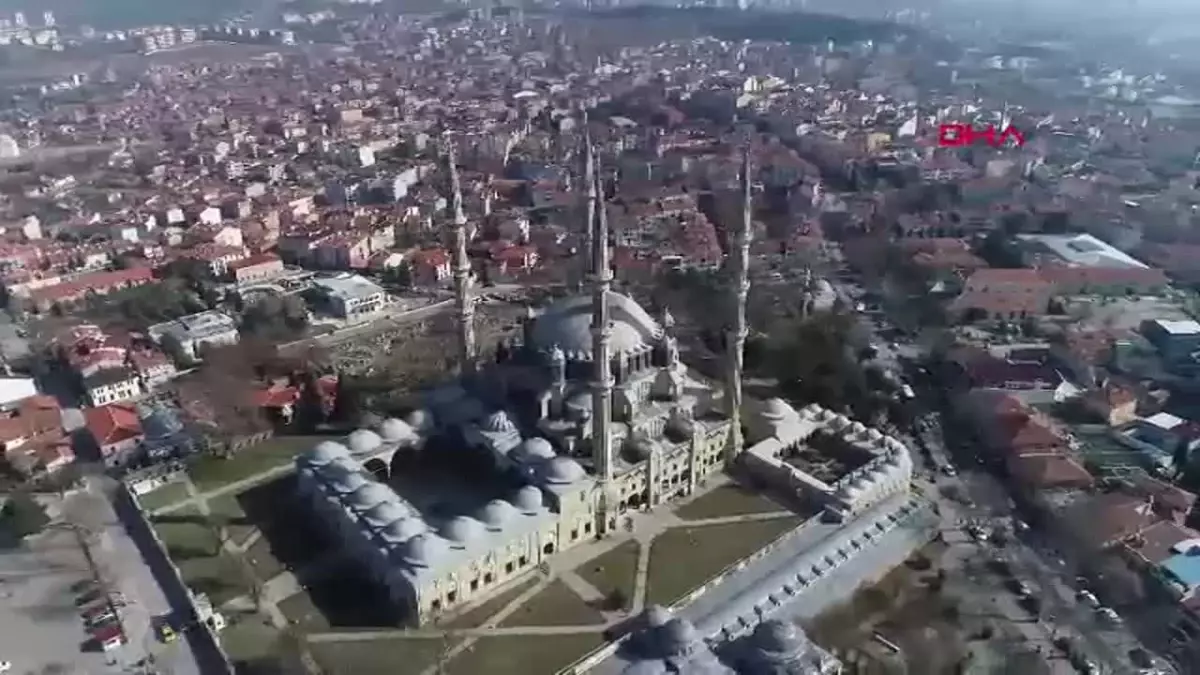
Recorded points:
(613, 573)
(730, 499)
(186, 534)
(389, 656)
(228, 512)
(294, 537)
(262, 560)
(555, 605)
(211, 473)
(683, 558)
(250, 641)
(475, 617)
(523, 655)
(195, 549)
(220, 577)
(171, 493)
(339, 600)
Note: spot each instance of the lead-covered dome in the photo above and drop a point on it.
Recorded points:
(399, 531)
(370, 495)
(395, 431)
(344, 479)
(363, 441)
(677, 635)
(462, 530)
(424, 549)
(562, 471)
(325, 452)
(533, 450)
(567, 325)
(780, 637)
(496, 513)
(387, 512)
(528, 499)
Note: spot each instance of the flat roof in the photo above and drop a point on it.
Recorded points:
(1185, 567)
(1083, 250)
(1164, 420)
(348, 286)
(1179, 327)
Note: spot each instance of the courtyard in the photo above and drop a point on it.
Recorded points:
(237, 534)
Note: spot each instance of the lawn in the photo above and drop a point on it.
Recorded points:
(186, 534)
(250, 641)
(166, 495)
(523, 655)
(727, 500)
(613, 573)
(388, 656)
(263, 561)
(475, 617)
(195, 549)
(211, 473)
(684, 558)
(340, 600)
(227, 511)
(555, 605)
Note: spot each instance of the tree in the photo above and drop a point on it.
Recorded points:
(23, 516)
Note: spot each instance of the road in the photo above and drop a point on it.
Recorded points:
(987, 501)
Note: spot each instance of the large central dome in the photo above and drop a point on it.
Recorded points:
(567, 324)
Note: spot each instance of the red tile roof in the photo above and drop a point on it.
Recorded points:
(113, 423)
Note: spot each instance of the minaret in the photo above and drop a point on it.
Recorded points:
(463, 279)
(736, 338)
(602, 379)
(589, 179)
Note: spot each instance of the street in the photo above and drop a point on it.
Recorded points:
(969, 494)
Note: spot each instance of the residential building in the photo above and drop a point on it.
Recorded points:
(352, 297)
(190, 334)
(116, 432)
(111, 385)
(33, 438)
(256, 269)
(1004, 295)
(1178, 342)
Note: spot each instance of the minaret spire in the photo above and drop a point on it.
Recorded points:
(589, 179)
(463, 279)
(602, 379)
(736, 338)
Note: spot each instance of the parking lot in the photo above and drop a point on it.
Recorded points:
(48, 586)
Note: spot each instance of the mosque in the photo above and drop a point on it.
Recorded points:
(582, 424)
(588, 416)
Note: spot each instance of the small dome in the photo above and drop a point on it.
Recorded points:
(680, 427)
(556, 355)
(656, 615)
(782, 637)
(395, 431)
(371, 494)
(325, 452)
(364, 441)
(462, 530)
(417, 420)
(399, 531)
(563, 470)
(498, 422)
(677, 635)
(386, 512)
(640, 447)
(496, 513)
(778, 409)
(528, 499)
(424, 549)
(533, 449)
(344, 479)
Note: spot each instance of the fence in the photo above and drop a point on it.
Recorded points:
(210, 657)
